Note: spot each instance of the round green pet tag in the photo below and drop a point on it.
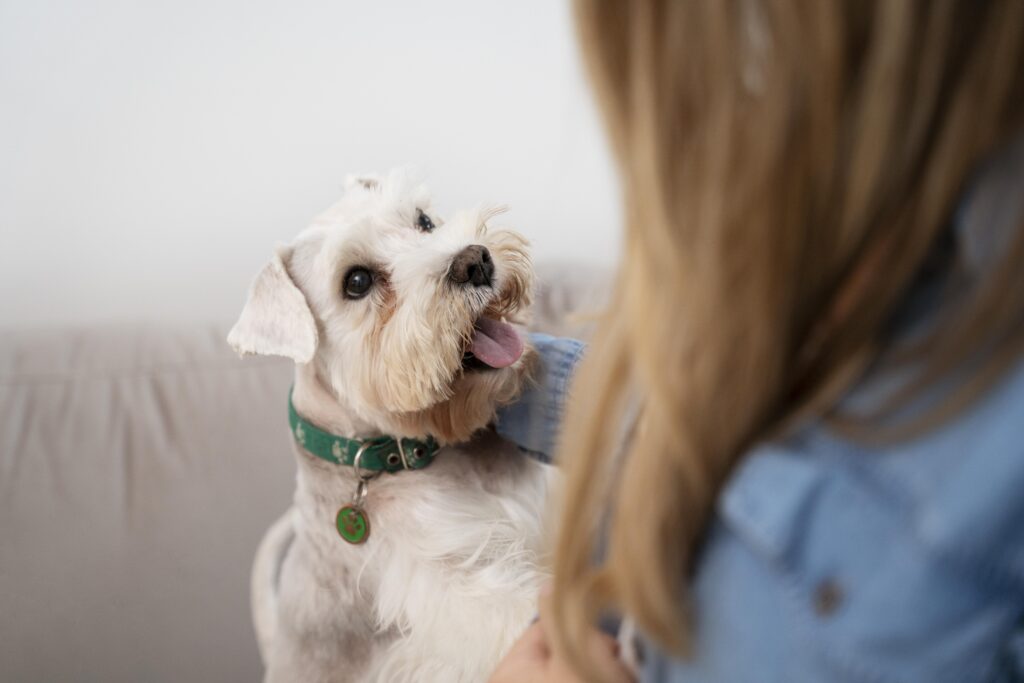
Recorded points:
(353, 524)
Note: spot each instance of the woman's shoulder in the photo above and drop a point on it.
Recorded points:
(830, 560)
(956, 490)
(959, 488)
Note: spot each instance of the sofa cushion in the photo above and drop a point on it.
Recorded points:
(138, 470)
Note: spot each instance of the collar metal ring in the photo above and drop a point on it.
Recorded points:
(357, 462)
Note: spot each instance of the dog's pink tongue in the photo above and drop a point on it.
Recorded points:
(496, 343)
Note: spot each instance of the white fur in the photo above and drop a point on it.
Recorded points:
(448, 577)
(277, 320)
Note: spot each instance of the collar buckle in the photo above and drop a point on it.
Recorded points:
(401, 452)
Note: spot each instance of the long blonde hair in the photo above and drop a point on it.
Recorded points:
(786, 167)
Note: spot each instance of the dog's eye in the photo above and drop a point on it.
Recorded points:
(423, 221)
(357, 283)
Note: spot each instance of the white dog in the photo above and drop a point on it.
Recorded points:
(398, 324)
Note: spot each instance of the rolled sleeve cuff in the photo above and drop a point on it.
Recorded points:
(535, 420)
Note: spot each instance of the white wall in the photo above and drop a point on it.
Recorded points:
(151, 153)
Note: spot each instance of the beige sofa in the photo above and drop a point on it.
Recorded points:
(139, 467)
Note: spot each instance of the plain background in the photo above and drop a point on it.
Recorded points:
(152, 153)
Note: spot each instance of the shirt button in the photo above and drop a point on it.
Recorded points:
(828, 596)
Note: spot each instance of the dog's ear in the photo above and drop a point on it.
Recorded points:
(276, 320)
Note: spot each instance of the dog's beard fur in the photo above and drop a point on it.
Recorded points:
(393, 360)
(472, 404)
(410, 378)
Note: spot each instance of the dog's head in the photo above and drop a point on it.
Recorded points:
(403, 317)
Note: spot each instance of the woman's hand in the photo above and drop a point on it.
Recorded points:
(535, 659)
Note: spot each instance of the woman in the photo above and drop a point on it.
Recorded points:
(795, 450)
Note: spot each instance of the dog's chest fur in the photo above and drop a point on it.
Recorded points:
(441, 588)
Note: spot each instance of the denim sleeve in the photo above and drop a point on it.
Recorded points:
(533, 422)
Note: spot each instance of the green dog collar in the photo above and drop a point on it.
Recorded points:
(378, 454)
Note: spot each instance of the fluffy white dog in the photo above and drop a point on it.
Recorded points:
(399, 326)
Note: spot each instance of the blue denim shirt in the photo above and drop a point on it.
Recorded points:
(831, 561)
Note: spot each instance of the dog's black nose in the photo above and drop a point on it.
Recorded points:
(473, 266)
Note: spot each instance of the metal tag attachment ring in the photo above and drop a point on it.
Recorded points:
(360, 494)
(357, 464)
